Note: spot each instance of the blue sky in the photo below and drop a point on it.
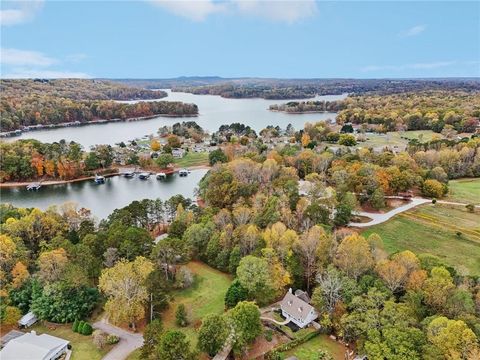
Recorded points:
(234, 38)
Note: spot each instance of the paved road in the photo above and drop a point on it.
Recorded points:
(378, 218)
(128, 341)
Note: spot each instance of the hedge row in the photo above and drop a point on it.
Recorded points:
(291, 344)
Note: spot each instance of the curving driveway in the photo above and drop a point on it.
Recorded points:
(378, 218)
(127, 344)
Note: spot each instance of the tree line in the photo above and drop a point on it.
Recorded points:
(49, 102)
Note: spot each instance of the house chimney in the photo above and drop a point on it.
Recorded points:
(290, 291)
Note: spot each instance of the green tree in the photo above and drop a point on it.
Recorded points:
(151, 338)
(254, 275)
(174, 345)
(347, 140)
(181, 316)
(245, 317)
(217, 156)
(235, 293)
(212, 334)
(164, 160)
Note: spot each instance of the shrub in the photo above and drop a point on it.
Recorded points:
(75, 326)
(181, 316)
(87, 329)
(268, 335)
(112, 339)
(470, 208)
(80, 326)
(99, 339)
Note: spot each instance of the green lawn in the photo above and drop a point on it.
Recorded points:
(433, 229)
(205, 297)
(309, 349)
(395, 138)
(82, 346)
(464, 190)
(193, 159)
(135, 355)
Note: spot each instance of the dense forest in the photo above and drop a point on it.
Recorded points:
(431, 110)
(300, 88)
(50, 102)
(76, 89)
(308, 106)
(256, 227)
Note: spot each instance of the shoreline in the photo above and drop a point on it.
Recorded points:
(13, 185)
(303, 112)
(19, 132)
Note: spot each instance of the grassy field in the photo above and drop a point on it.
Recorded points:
(193, 159)
(309, 349)
(206, 296)
(464, 190)
(433, 229)
(82, 346)
(396, 138)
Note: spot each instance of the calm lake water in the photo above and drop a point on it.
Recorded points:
(102, 199)
(214, 112)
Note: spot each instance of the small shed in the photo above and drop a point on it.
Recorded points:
(27, 320)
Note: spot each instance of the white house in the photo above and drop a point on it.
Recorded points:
(31, 346)
(297, 310)
(27, 320)
(178, 153)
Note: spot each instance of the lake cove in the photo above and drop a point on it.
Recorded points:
(214, 112)
(117, 192)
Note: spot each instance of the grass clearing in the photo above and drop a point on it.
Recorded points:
(193, 159)
(82, 346)
(464, 190)
(206, 296)
(396, 138)
(433, 229)
(309, 349)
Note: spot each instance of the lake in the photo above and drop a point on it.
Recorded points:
(117, 192)
(214, 112)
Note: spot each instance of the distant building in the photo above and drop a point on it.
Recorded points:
(31, 346)
(297, 310)
(178, 153)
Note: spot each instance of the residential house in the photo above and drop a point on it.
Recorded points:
(297, 310)
(178, 153)
(31, 346)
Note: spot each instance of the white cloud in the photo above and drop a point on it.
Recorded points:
(197, 10)
(20, 12)
(276, 10)
(413, 31)
(18, 57)
(283, 11)
(24, 64)
(20, 73)
(416, 66)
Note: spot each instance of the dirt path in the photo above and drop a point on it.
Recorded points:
(127, 344)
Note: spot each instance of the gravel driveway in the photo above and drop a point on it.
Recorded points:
(127, 344)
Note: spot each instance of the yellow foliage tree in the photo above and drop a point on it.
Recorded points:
(19, 274)
(124, 285)
(354, 256)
